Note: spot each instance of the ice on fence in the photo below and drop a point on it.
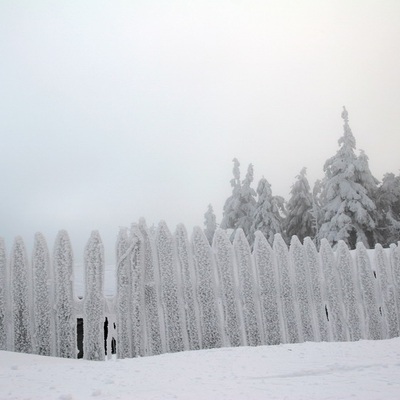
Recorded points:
(228, 282)
(44, 329)
(268, 281)
(388, 306)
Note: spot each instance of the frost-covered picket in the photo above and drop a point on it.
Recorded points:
(175, 293)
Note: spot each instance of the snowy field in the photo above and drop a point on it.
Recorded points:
(362, 370)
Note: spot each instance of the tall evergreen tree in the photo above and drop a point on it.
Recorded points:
(231, 207)
(348, 213)
(299, 219)
(210, 223)
(240, 206)
(269, 213)
(389, 208)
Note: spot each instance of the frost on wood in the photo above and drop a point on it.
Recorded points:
(317, 290)
(93, 309)
(138, 324)
(232, 322)
(335, 312)
(373, 320)
(350, 292)
(170, 290)
(302, 290)
(395, 263)
(44, 329)
(286, 291)
(210, 323)
(185, 260)
(151, 295)
(271, 315)
(388, 291)
(3, 297)
(246, 274)
(64, 299)
(123, 300)
(21, 299)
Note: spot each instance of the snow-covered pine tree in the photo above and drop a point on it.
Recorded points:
(44, 328)
(3, 296)
(152, 302)
(373, 320)
(191, 308)
(64, 297)
(389, 208)
(269, 212)
(391, 326)
(170, 291)
(268, 276)
(348, 213)
(231, 212)
(233, 313)
(210, 223)
(240, 207)
(93, 306)
(210, 319)
(299, 220)
(247, 205)
(21, 298)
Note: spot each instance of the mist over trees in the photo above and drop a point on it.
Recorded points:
(347, 204)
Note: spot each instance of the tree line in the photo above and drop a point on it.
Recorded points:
(347, 204)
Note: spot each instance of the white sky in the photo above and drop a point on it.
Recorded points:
(115, 110)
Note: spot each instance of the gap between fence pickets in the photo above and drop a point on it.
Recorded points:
(174, 293)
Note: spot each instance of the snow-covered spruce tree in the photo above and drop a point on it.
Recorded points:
(21, 298)
(269, 213)
(152, 303)
(191, 308)
(64, 298)
(286, 285)
(233, 313)
(299, 220)
(123, 299)
(231, 212)
(93, 306)
(268, 278)
(350, 292)
(334, 307)
(44, 326)
(210, 319)
(388, 306)
(240, 207)
(302, 290)
(348, 213)
(389, 208)
(247, 290)
(373, 320)
(4, 304)
(210, 223)
(318, 292)
(171, 296)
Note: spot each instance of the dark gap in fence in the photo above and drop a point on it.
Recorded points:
(79, 336)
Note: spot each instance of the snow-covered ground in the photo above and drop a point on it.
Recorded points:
(363, 370)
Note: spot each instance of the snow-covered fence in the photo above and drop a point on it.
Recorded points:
(175, 294)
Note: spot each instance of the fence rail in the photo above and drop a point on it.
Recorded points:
(176, 294)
